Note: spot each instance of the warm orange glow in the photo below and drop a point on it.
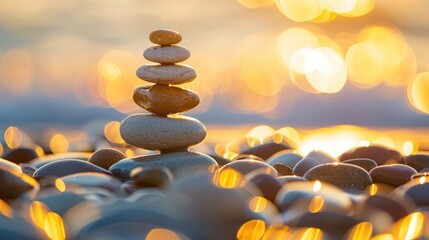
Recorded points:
(300, 11)
(361, 8)
(362, 231)
(256, 3)
(410, 227)
(277, 232)
(422, 180)
(162, 233)
(54, 226)
(220, 149)
(316, 204)
(230, 155)
(228, 178)
(258, 204)
(311, 234)
(59, 144)
(289, 133)
(111, 132)
(260, 132)
(292, 40)
(5, 209)
(13, 137)
(410, 147)
(418, 95)
(339, 6)
(16, 70)
(60, 185)
(251, 230)
(129, 153)
(373, 189)
(384, 140)
(317, 185)
(385, 236)
(39, 151)
(109, 70)
(1, 149)
(38, 212)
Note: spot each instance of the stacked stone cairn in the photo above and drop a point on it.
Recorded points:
(164, 128)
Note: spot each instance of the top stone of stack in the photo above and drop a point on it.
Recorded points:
(165, 37)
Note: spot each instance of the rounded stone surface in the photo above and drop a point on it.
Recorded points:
(106, 157)
(162, 133)
(167, 74)
(165, 37)
(166, 54)
(162, 99)
(266, 150)
(282, 170)
(312, 159)
(20, 155)
(180, 163)
(290, 178)
(285, 157)
(38, 162)
(364, 163)
(393, 174)
(381, 155)
(93, 180)
(63, 168)
(267, 184)
(246, 166)
(14, 182)
(342, 175)
(418, 161)
(155, 177)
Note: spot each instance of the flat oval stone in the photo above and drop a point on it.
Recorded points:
(106, 157)
(381, 155)
(162, 99)
(393, 174)
(267, 184)
(38, 162)
(266, 150)
(342, 175)
(93, 180)
(63, 168)
(165, 37)
(246, 166)
(286, 157)
(312, 159)
(166, 54)
(290, 178)
(418, 161)
(167, 74)
(180, 163)
(20, 155)
(282, 169)
(162, 133)
(364, 163)
(155, 177)
(394, 207)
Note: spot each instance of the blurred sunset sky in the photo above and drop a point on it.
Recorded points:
(258, 61)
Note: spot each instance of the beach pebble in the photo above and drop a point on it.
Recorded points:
(342, 175)
(38, 162)
(166, 54)
(418, 161)
(267, 184)
(14, 182)
(162, 99)
(63, 168)
(106, 157)
(364, 163)
(162, 133)
(21, 155)
(179, 163)
(290, 178)
(286, 157)
(221, 161)
(381, 155)
(312, 159)
(8, 165)
(246, 166)
(92, 180)
(27, 168)
(266, 150)
(392, 174)
(155, 177)
(417, 190)
(165, 37)
(167, 74)
(394, 207)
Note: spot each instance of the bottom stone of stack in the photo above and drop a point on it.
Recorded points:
(180, 163)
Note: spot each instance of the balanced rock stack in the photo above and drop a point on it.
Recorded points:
(164, 129)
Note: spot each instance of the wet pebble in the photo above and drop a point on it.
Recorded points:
(392, 174)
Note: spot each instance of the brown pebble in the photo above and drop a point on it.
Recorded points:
(364, 163)
(156, 177)
(267, 184)
(165, 37)
(342, 175)
(290, 178)
(393, 174)
(162, 99)
(418, 161)
(106, 157)
(381, 155)
(282, 169)
(312, 159)
(20, 155)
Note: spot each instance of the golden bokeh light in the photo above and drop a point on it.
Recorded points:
(410, 147)
(13, 137)
(288, 133)
(422, 180)
(129, 153)
(1, 149)
(410, 227)
(362, 7)
(373, 189)
(54, 226)
(385, 236)
(59, 143)
(418, 96)
(258, 204)
(255, 3)
(39, 150)
(111, 132)
(60, 185)
(317, 185)
(316, 204)
(17, 71)
(300, 11)
(162, 233)
(5, 209)
(260, 132)
(251, 230)
(362, 231)
(339, 6)
(228, 178)
(311, 234)
(276, 232)
(38, 212)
